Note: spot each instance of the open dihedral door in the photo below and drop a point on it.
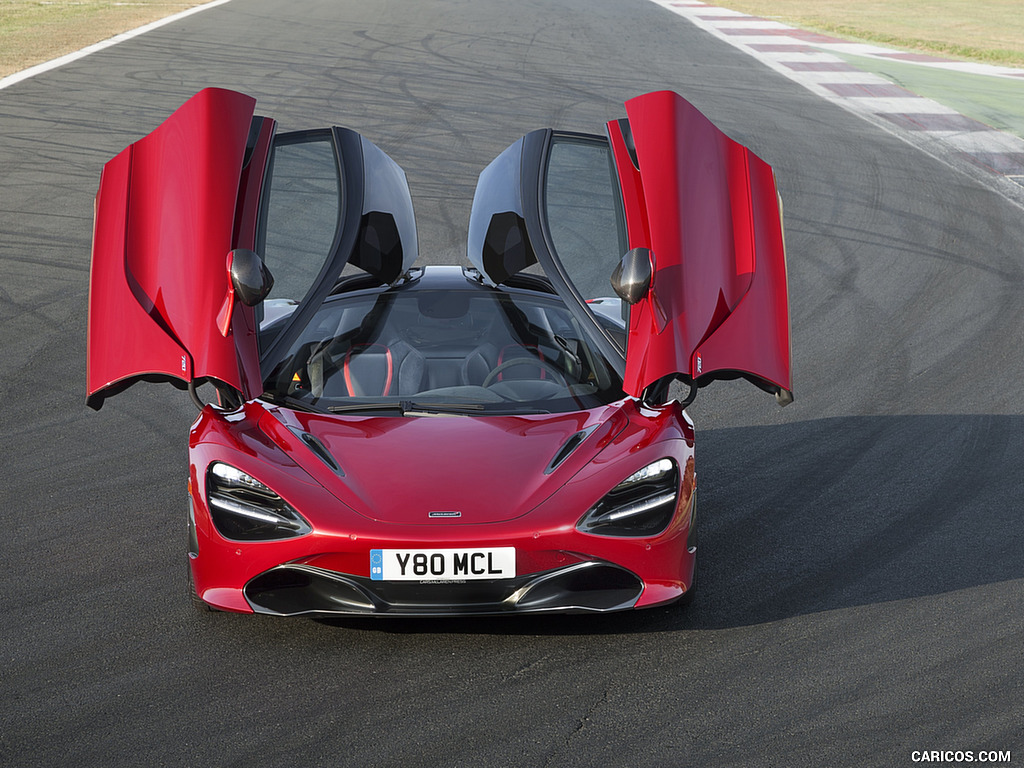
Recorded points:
(708, 210)
(698, 217)
(161, 303)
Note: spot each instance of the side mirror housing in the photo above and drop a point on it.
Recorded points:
(631, 279)
(250, 277)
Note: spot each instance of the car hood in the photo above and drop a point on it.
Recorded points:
(487, 469)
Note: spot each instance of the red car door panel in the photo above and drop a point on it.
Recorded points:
(708, 210)
(164, 225)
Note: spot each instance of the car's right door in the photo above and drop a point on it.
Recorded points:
(697, 210)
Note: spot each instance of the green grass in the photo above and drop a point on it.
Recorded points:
(989, 31)
(32, 32)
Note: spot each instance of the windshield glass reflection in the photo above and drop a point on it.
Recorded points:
(476, 351)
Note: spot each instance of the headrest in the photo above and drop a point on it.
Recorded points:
(506, 248)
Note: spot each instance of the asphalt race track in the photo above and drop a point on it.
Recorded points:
(862, 550)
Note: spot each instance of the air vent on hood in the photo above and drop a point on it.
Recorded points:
(570, 445)
(319, 449)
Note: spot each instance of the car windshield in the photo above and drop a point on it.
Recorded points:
(477, 351)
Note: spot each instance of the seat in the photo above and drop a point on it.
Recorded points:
(514, 351)
(369, 370)
(479, 363)
(485, 358)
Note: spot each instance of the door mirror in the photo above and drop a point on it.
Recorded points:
(250, 277)
(632, 277)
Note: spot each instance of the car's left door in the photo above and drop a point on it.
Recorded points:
(170, 210)
(332, 198)
(192, 218)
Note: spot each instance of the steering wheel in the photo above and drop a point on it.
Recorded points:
(534, 361)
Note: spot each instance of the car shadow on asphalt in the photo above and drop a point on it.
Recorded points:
(824, 515)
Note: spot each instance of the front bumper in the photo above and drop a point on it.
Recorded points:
(559, 568)
(590, 586)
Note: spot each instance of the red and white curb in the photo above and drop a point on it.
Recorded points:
(807, 58)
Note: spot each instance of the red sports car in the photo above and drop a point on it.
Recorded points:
(387, 439)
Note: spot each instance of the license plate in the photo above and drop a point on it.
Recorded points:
(442, 564)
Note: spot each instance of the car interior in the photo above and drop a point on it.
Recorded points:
(478, 345)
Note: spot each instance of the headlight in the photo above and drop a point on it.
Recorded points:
(641, 505)
(244, 509)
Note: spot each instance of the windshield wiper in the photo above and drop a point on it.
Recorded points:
(408, 407)
(290, 402)
(411, 408)
(355, 407)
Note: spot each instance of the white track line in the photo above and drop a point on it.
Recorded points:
(38, 69)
